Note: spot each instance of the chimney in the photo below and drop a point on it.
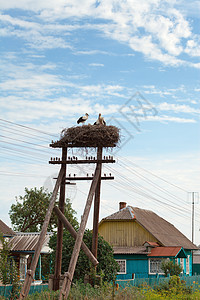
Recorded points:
(122, 205)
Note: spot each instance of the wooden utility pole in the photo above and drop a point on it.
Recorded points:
(58, 262)
(74, 140)
(73, 233)
(192, 217)
(68, 276)
(195, 198)
(97, 206)
(30, 273)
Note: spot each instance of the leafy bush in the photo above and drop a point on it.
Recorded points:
(171, 268)
(107, 267)
(9, 273)
(174, 287)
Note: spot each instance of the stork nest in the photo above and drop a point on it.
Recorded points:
(88, 136)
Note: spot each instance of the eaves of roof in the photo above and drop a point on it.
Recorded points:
(130, 250)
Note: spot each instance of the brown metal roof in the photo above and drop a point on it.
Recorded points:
(152, 244)
(167, 251)
(130, 250)
(166, 233)
(5, 229)
(28, 241)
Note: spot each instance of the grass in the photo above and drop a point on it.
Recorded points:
(80, 291)
(174, 289)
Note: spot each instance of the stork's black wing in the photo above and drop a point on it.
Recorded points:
(80, 120)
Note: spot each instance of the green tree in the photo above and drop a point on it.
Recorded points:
(28, 214)
(107, 264)
(172, 268)
(9, 273)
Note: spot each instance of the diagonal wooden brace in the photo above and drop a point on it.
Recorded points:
(73, 233)
(79, 238)
(67, 276)
(27, 283)
(30, 273)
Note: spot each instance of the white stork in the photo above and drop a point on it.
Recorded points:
(83, 119)
(100, 121)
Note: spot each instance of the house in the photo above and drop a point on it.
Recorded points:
(141, 240)
(22, 246)
(7, 231)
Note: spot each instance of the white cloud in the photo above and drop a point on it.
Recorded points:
(193, 47)
(90, 52)
(166, 119)
(154, 27)
(96, 65)
(177, 108)
(37, 35)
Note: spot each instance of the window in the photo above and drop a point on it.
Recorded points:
(188, 264)
(23, 264)
(122, 265)
(182, 264)
(155, 266)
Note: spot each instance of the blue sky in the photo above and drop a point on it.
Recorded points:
(135, 62)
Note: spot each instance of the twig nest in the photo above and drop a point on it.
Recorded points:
(89, 136)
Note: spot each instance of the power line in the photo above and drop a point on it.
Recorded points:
(15, 151)
(124, 158)
(27, 147)
(124, 181)
(179, 213)
(30, 143)
(142, 191)
(22, 133)
(30, 128)
(20, 174)
(152, 183)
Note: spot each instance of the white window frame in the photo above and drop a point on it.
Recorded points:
(151, 260)
(188, 264)
(121, 261)
(23, 267)
(181, 263)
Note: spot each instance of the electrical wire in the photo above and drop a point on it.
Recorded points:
(124, 181)
(159, 177)
(18, 140)
(22, 133)
(147, 196)
(30, 128)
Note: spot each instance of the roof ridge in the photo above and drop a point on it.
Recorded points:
(131, 212)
